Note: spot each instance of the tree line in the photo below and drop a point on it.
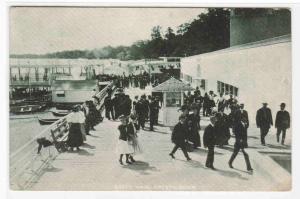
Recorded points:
(210, 31)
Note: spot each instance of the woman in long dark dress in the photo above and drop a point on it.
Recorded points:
(194, 127)
(75, 119)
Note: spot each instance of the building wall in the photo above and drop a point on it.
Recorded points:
(261, 73)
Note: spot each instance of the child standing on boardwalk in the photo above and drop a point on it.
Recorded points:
(123, 146)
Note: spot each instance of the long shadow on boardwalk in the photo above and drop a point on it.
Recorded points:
(88, 146)
(84, 152)
(231, 174)
(278, 146)
(141, 167)
(202, 151)
(94, 136)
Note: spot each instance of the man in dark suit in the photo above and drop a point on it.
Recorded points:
(264, 121)
(108, 103)
(209, 141)
(222, 129)
(142, 110)
(179, 137)
(153, 109)
(245, 120)
(282, 122)
(239, 129)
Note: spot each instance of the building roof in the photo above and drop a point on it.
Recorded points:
(265, 42)
(74, 85)
(172, 85)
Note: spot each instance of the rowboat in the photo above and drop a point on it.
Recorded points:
(47, 121)
(25, 109)
(60, 113)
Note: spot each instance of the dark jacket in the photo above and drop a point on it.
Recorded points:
(240, 121)
(125, 132)
(264, 118)
(193, 122)
(142, 108)
(153, 108)
(245, 118)
(282, 120)
(222, 128)
(108, 103)
(179, 134)
(209, 136)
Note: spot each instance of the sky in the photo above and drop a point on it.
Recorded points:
(39, 30)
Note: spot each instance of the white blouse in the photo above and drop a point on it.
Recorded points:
(76, 117)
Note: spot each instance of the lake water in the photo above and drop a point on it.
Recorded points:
(23, 128)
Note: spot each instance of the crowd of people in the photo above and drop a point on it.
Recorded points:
(134, 81)
(143, 108)
(225, 114)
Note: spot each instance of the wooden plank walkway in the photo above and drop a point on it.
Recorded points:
(96, 167)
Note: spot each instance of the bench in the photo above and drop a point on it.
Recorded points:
(59, 135)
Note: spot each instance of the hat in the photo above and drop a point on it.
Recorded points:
(76, 108)
(182, 116)
(282, 104)
(265, 103)
(121, 117)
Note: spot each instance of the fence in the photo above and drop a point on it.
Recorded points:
(27, 165)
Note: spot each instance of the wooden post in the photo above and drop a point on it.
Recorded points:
(164, 107)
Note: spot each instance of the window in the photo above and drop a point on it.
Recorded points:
(173, 99)
(219, 87)
(226, 88)
(231, 90)
(203, 85)
(222, 87)
(235, 91)
(60, 93)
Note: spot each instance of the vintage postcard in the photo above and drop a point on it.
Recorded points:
(150, 98)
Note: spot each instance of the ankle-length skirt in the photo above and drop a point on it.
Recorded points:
(75, 138)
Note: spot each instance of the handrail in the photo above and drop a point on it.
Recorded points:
(23, 157)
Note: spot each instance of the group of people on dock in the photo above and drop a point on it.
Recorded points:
(134, 81)
(82, 120)
(224, 115)
(142, 108)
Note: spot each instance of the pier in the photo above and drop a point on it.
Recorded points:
(95, 167)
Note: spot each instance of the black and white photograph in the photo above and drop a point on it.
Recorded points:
(149, 98)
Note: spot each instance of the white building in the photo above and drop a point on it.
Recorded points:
(255, 72)
(72, 91)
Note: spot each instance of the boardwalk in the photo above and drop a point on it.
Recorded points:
(96, 166)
